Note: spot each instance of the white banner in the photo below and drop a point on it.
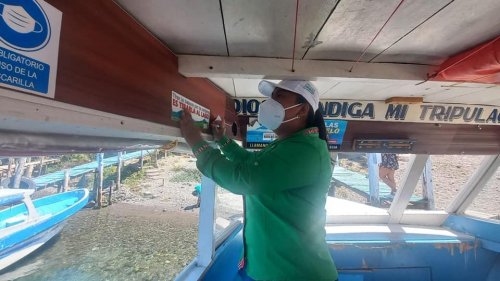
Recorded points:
(200, 114)
(380, 111)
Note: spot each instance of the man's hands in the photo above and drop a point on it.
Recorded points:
(192, 133)
(189, 131)
(218, 128)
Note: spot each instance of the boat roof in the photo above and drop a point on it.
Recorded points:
(359, 50)
(115, 92)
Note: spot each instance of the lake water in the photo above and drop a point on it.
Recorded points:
(120, 242)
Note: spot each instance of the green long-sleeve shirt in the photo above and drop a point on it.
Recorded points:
(285, 187)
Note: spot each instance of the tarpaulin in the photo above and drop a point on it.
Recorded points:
(478, 65)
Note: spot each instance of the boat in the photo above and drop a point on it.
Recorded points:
(27, 226)
(418, 78)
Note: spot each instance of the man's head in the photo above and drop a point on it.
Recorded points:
(291, 107)
(301, 87)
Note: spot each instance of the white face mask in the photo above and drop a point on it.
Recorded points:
(19, 20)
(272, 114)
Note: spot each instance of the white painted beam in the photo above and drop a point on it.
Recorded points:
(410, 179)
(475, 184)
(28, 119)
(206, 239)
(271, 68)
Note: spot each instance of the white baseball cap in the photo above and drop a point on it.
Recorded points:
(304, 88)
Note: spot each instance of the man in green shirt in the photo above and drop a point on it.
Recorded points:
(285, 184)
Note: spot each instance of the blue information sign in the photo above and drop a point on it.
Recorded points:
(258, 136)
(336, 130)
(24, 72)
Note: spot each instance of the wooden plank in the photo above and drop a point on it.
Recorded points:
(188, 27)
(354, 23)
(458, 27)
(123, 69)
(262, 28)
(430, 139)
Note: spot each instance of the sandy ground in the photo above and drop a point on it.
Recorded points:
(449, 174)
(158, 189)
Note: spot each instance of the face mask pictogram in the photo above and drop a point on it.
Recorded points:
(19, 20)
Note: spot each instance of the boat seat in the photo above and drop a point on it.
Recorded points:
(14, 220)
(403, 252)
(347, 234)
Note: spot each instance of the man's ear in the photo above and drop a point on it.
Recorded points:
(304, 109)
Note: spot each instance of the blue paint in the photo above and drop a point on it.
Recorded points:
(59, 207)
(335, 130)
(488, 231)
(16, 29)
(226, 258)
(386, 256)
(43, 181)
(360, 183)
(23, 72)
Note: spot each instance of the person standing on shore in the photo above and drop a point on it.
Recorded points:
(284, 185)
(387, 169)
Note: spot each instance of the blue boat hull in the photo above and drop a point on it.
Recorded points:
(20, 236)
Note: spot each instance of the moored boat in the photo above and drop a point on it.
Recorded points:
(27, 226)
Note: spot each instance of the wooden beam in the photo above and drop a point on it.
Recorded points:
(405, 100)
(271, 68)
(119, 171)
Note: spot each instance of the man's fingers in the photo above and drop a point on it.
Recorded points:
(186, 116)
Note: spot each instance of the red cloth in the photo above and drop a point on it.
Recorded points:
(479, 65)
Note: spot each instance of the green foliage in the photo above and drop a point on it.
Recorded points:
(109, 175)
(68, 161)
(186, 175)
(133, 178)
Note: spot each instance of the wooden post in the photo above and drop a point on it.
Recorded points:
(9, 167)
(100, 169)
(119, 171)
(110, 192)
(142, 159)
(66, 180)
(29, 171)
(428, 186)
(41, 166)
(373, 178)
(21, 163)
